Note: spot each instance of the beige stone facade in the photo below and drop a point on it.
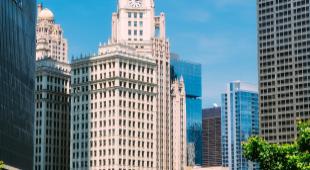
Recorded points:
(49, 38)
(121, 115)
(114, 110)
(209, 168)
(52, 116)
(52, 96)
(136, 25)
(178, 110)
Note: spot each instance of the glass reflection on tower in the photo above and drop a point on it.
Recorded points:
(239, 121)
(191, 72)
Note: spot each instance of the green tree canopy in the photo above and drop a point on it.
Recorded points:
(1, 164)
(294, 156)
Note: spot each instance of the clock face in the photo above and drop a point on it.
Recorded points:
(135, 3)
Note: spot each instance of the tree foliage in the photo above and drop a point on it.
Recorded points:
(1, 164)
(294, 156)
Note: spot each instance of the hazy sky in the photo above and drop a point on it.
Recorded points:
(219, 34)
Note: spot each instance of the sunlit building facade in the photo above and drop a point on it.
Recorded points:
(239, 121)
(113, 110)
(136, 25)
(49, 38)
(121, 115)
(52, 113)
(283, 62)
(178, 110)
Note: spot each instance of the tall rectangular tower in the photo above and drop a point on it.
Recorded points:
(17, 72)
(239, 121)
(113, 110)
(211, 137)
(121, 111)
(178, 134)
(52, 113)
(136, 25)
(284, 56)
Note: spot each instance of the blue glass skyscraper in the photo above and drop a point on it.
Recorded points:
(239, 121)
(191, 73)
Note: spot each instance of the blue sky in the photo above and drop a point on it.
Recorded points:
(219, 34)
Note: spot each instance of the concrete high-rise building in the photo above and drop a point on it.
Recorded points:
(136, 24)
(239, 121)
(178, 135)
(50, 40)
(208, 168)
(121, 103)
(283, 39)
(52, 113)
(191, 72)
(17, 72)
(114, 110)
(211, 137)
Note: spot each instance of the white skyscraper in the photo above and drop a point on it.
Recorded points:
(52, 94)
(136, 24)
(50, 41)
(178, 137)
(113, 110)
(121, 116)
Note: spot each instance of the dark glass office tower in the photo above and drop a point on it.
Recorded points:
(17, 65)
(191, 73)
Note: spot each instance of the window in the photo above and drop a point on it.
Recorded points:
(129, 14)
(141, 32)
(135, 15)
(129, 23)
(135, 23)
(141, 23)
(129, 32)
(141, 15)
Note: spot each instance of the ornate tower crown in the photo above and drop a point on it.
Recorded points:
(135, 4)
(136, 24)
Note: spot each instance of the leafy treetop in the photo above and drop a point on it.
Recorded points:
(294, 156)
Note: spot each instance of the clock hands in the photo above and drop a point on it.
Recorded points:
(135, 3)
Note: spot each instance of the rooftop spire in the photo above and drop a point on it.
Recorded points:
(40, 7)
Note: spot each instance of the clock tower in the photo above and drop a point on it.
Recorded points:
(136, 25)
(134, 69)
(135, 4)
